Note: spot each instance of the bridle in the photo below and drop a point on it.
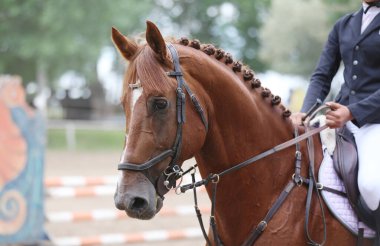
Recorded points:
(167, 179)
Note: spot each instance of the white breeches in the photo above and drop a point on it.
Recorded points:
(368, 143)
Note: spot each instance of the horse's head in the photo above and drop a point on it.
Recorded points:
(158, 140)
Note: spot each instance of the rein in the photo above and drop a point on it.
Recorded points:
(167, 179)
(287, 144)
(296, 180)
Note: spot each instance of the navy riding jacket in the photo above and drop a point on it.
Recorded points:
(360, 54)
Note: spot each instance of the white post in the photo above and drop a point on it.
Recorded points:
(70, 136)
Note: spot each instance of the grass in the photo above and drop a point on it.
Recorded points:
(86, 139)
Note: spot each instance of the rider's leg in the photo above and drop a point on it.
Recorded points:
(368, 141)
(377, 218)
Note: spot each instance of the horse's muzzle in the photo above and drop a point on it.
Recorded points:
(138, 200)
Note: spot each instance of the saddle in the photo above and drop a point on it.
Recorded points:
(345, 159)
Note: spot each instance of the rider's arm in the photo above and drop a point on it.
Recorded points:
(326, 69)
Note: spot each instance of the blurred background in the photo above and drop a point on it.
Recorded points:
(72, 75)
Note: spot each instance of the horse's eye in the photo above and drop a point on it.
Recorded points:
(160, 104)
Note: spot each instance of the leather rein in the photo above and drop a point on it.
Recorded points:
(167, 179)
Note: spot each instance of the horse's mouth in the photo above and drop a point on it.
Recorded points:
(141, 214)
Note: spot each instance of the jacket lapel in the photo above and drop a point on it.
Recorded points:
(371, 27)
(356, 23)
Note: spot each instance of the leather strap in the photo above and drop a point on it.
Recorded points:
(313, 186)
(275, 149)
(297, 172)
(198, 212)
(360, 239)
(212, 216)
(260, 156)
(263, 224)
(148, 164)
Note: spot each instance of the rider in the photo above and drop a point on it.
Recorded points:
(355, 40)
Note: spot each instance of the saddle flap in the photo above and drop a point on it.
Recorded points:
(346, 163)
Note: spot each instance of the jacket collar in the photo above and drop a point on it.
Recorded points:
(357, 22)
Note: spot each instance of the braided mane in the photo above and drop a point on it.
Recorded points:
(246, 75)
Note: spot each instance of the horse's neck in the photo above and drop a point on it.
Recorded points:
(240, 131)
(242, 125)
(242, 122)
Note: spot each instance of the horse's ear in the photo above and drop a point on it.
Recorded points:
(155, 40)
(126, 47)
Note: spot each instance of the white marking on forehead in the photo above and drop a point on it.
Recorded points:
(123, 159)
(136, 94)
(137, 91)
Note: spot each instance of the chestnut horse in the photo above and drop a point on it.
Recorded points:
(233, 119)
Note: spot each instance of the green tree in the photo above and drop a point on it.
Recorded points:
(293, 35)
(338, 8)
(41, 39)
(232, 25)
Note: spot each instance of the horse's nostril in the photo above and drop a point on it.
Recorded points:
(138, 203)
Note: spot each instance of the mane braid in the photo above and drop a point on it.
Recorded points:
(245, 74)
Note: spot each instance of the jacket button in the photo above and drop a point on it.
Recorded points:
(355, 62)
(353, 92)
(354, 77)
(357, 47)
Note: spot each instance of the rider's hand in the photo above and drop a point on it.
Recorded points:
(338, 116)
(297, 118)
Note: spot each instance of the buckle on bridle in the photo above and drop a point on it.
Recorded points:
(215, 178)
(174, 73)
(297, 179)
(172, 174)
(298, 155)
(262, 226)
